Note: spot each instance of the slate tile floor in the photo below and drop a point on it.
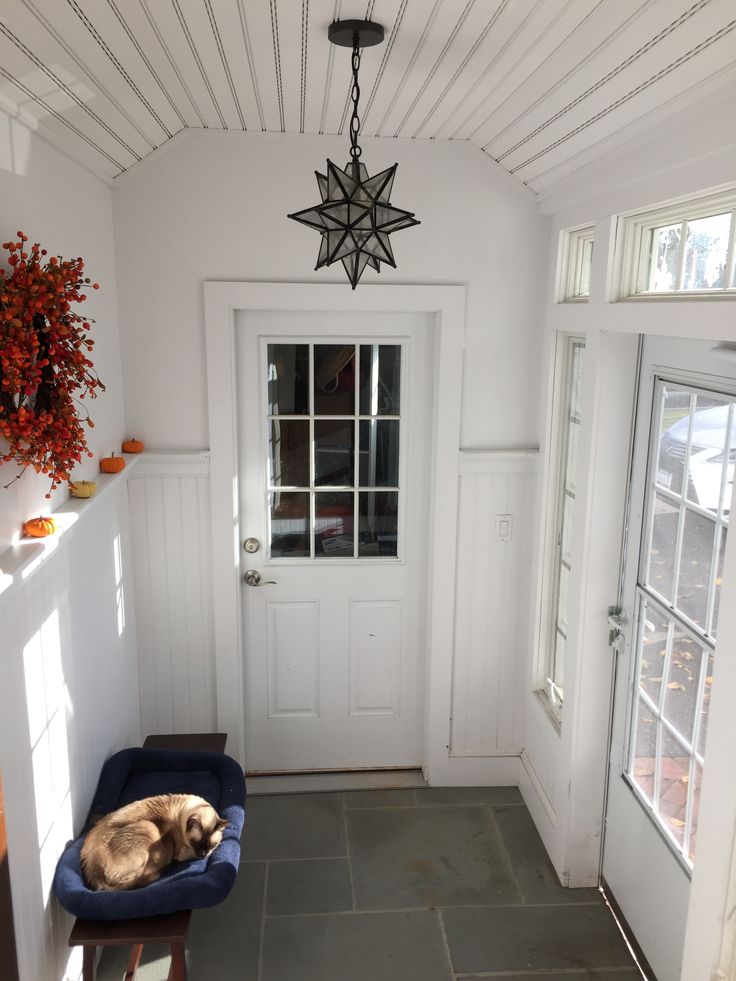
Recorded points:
(396, 885)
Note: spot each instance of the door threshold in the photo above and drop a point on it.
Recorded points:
(336, 781)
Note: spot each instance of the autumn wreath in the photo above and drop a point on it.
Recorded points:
(44, 367)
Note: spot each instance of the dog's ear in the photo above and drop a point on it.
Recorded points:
(194, 821)
(222, 823)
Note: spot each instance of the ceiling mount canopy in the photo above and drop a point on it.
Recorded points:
(356, 217)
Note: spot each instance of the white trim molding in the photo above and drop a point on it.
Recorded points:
(447, 304)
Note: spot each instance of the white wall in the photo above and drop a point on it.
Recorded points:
(213, 206)
(68, 700)
(565, 773)
(55, 202)
(69, 690)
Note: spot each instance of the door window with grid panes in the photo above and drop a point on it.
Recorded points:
(686, 518)
(334, 419)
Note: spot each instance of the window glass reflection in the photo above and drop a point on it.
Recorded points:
(289, 525)
(288, 379)
(379, 453)
(380, 379)
(334, 452)
(379, 523)
(333, 525)
(289, 452)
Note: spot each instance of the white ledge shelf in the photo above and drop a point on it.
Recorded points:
(19, 561)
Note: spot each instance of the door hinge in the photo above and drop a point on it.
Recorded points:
(616, 623)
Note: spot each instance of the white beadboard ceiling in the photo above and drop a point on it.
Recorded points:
(540, 86)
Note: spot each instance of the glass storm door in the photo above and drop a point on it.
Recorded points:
(335, 427)
(681, 491)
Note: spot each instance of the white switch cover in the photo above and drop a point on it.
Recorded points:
(504, 527)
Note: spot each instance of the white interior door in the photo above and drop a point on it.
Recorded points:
(680, 500)
(335, 427)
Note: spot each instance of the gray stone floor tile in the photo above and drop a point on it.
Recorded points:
(224, 941)
(529, 938)
(294, 826)
(439, 856)
(625, 974)
(379, 798)
(309, 886)
(533, 870)
(355, 947)
(154, 965)
(469, 795)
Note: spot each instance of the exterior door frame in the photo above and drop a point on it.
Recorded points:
(447, 304)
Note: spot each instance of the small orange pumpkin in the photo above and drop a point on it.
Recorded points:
(39, 527)
(112, 464)
(133, 445)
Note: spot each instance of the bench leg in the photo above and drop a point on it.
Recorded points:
(178, 970)
(88, 963)
(135, 958)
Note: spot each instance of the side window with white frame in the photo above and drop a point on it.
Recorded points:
(685, 249)
(576, 262)
(569, 371)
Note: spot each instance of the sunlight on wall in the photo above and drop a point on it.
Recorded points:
(73, 969)
(119, 590)
(48, 702)
(15, 146)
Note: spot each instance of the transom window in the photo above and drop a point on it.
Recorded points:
(687, 511)
(577, 262)
(687, 249)
(334, 418)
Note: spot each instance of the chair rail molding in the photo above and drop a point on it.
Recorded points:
(447, 304)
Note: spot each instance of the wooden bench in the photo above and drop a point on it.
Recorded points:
(170, 929)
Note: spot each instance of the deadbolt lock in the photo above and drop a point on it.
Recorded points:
(251, 545)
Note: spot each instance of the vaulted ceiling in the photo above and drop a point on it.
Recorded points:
(540, 86)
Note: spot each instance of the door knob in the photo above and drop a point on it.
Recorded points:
(253, 578)
(251, 545)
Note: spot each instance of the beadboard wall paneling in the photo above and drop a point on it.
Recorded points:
(536, 85)
(169, 506)
(493, 602)
(68, 700)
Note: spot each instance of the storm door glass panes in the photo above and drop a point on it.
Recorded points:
(570, 436)
(334, 421)
(687, 512)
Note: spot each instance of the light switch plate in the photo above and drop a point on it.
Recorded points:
(504, 527)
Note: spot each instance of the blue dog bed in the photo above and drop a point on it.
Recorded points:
(137, 773)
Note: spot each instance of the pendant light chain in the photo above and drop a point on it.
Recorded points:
(355, 150)
(355, 217)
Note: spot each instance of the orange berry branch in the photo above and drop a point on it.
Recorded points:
(44, 362)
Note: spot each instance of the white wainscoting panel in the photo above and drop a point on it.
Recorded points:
(170, 520)
(494, 592)
(375, 657)
(293, 659)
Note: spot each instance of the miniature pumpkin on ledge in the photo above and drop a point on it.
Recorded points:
(39, 527)
(112, 464)
(82, 488)
(133, 445)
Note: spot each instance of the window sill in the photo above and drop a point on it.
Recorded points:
(553, 712)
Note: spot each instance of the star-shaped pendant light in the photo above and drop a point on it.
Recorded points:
(356, 216)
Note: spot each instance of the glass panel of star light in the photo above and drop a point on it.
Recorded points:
(334, 418)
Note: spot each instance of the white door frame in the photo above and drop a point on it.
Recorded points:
(447, 304)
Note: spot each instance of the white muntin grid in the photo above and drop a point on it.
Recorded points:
(677, 624)
(354, 488)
